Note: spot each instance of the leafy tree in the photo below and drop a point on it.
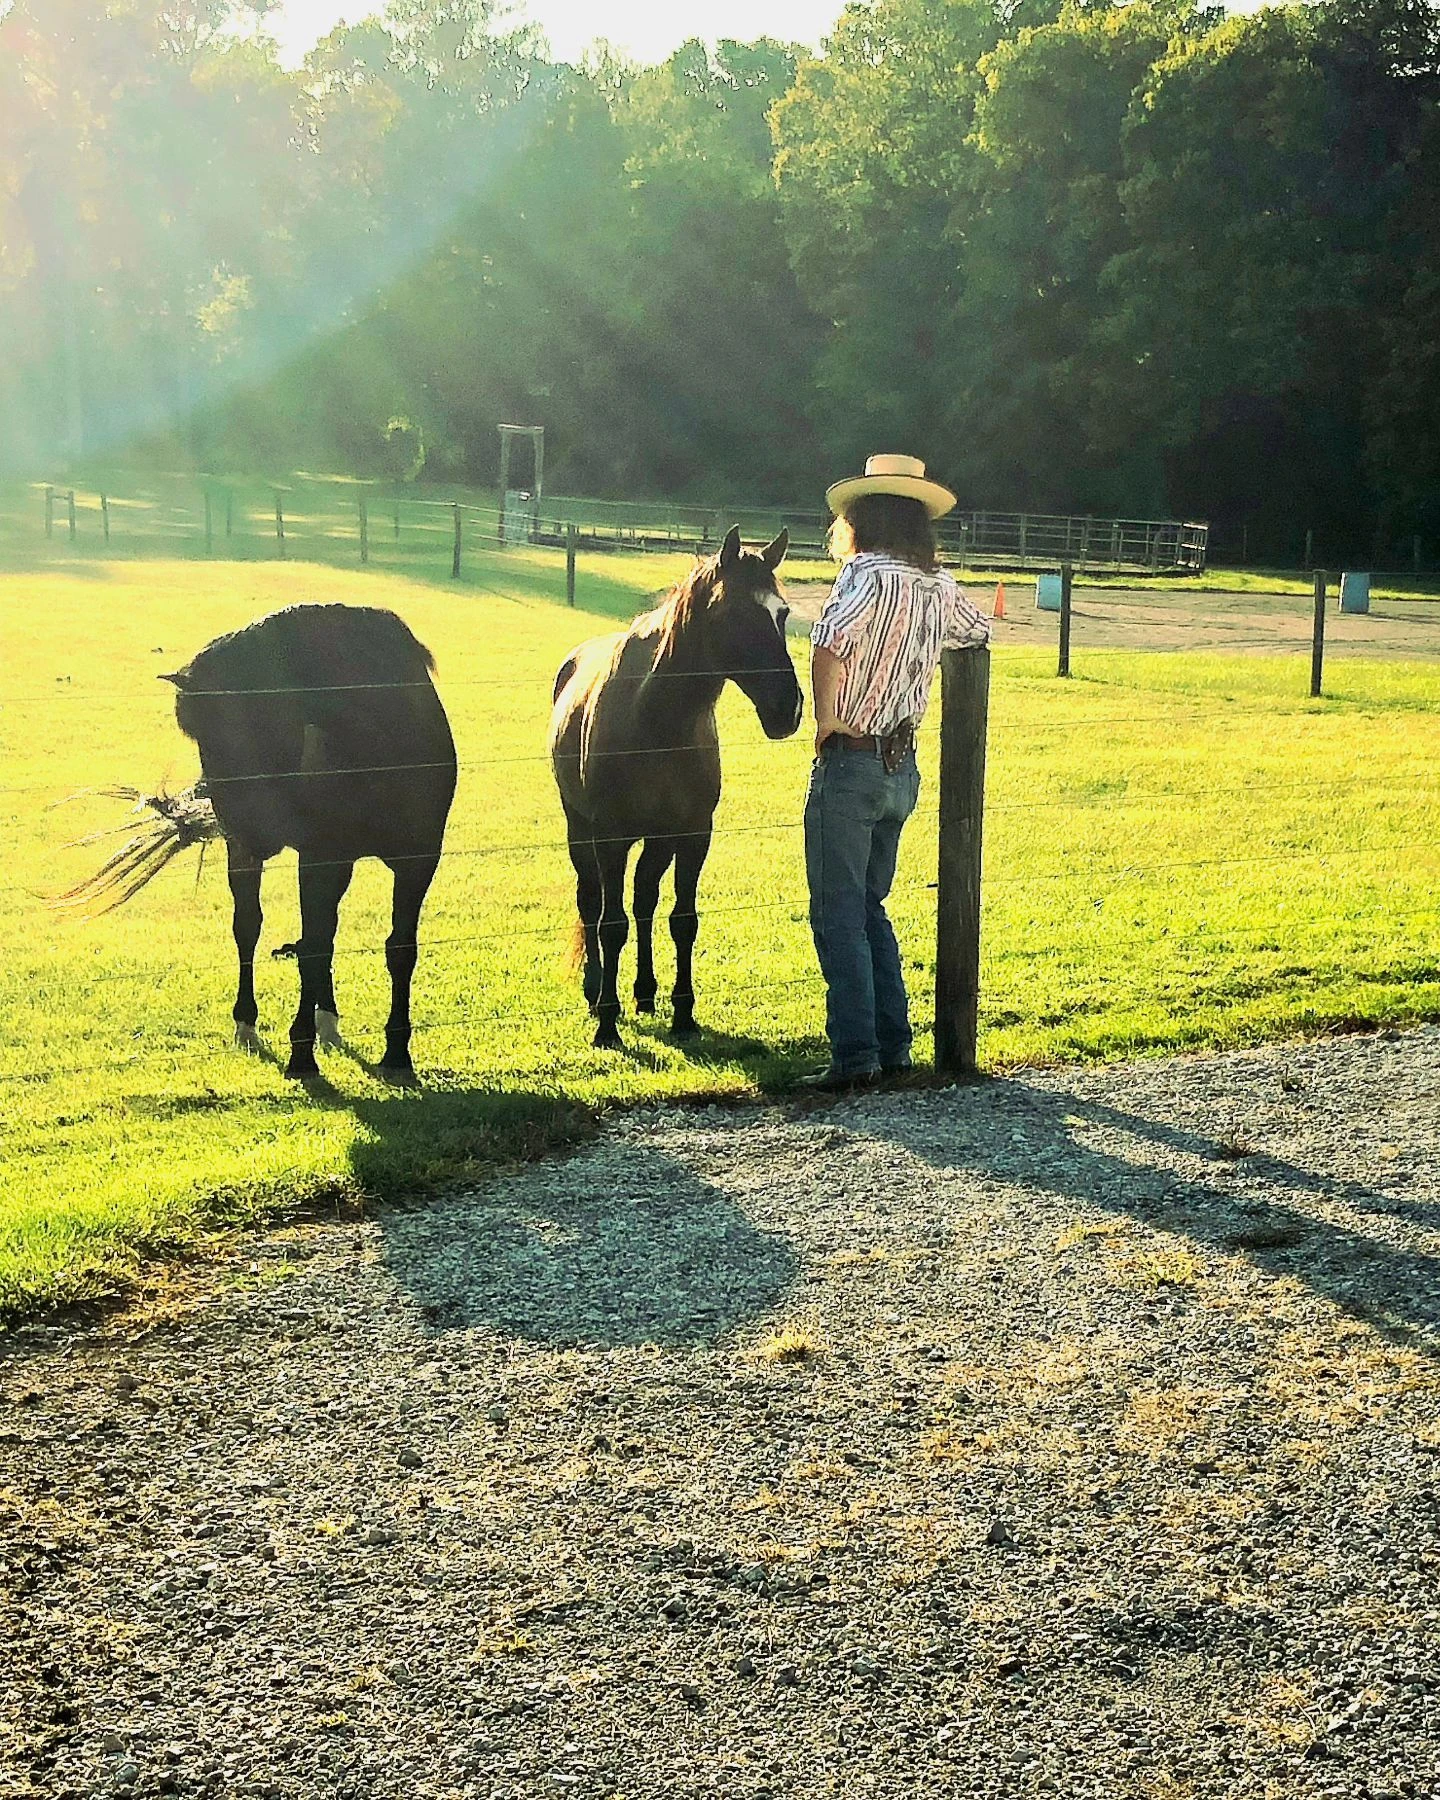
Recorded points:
(1116, 257)
(404, 450)
(1256, 198)
(1048, 403)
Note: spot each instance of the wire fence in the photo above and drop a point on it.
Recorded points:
(465, 538)
(466, 526)
(210, 514)
(1096, 875)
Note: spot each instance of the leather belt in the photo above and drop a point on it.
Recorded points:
(892, 749)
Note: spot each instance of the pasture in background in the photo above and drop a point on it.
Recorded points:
(1181, 851)
(128, 513)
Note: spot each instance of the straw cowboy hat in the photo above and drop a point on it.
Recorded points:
(903, 475)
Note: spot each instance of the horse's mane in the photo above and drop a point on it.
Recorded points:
(676, 612)
(666, 622)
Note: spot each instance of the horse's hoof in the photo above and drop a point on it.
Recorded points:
(302, 1068)
(644, 1006)
(399, 1074)
(608, 1038)
(684, 1028)
(247, 1038)
(327, 1028)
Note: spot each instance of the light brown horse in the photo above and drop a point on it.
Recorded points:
(637, 757)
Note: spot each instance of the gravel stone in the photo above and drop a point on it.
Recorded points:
(1110, 1466)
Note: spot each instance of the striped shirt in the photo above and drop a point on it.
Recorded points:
(887, 622)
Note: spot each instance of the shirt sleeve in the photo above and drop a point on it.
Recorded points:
(851, 600)
(966, 627)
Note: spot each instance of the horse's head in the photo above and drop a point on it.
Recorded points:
(743, 629)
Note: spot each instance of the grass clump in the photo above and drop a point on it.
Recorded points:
(1173, 1268)
(1083, 1232)
(791, 1344)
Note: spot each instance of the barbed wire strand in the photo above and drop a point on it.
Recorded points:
(1202, 936)
(1126, 871)
(1082, 803)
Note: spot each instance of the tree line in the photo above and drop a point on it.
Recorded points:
(1137, 259)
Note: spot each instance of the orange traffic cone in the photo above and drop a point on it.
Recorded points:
(999, 612)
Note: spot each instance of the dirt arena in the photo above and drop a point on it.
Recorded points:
(1158, 619)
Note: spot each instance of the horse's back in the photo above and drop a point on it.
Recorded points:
(614, 776)
(337, 704)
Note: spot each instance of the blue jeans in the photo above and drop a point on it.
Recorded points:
(854, 814)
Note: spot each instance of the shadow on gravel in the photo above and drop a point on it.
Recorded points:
(1037, 1137)
(622, 1246)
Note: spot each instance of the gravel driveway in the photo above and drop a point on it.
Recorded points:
(1076, 1434)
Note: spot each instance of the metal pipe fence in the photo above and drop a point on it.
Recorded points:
(283, 515)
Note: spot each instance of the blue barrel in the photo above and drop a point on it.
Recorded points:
(1354, 593)
(1047, 593)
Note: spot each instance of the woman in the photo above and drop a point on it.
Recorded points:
(876, 646)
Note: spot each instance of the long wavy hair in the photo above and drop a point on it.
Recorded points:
(890, 523)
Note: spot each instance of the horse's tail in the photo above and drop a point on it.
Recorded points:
(175, 822)
(575, 949)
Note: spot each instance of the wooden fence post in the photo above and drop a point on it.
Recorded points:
(364, 532)
(229, 511)
(70, 503)
(49, 512)
(570, 535)
(209, 526)
(1317, 641)
(105, 516)
(455, 559)
(964, 711)
(1067, 575)
(280, 523)
(397, 518)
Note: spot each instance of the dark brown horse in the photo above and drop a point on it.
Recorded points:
(637, 757)
(319, 729)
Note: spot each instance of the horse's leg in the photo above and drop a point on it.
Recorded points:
(322, 887)
(612, 854)
(690, 857)
(655, 859)
(245, 871)
(402, 948)
(587, 904)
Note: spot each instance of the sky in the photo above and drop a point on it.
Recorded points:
(646, 30)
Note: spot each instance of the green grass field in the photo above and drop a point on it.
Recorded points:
(1180, 852)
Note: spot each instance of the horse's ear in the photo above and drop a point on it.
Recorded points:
(774, 552)
(180, 677)
(730, 549)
